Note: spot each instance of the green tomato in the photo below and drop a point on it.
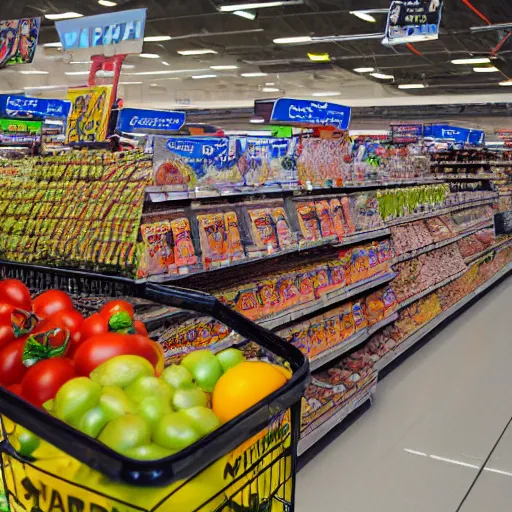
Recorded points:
(49, 405)
(145, 387)
(149, 452)
(29, 442)
(121, 371)
(204, 367)
(126, 432)
(229, 358)
(93, 422)
(203, 419)
(178, 377)
(76, 397)
(187, 398)
(115, 403)
(153, 408)
(175, 431)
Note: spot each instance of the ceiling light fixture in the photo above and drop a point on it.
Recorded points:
(363, 15)
(291, 40)
(165, 63)
(256, 120)
(382, 76)
(107, 3)
(223, 68)
(76, 73)
(149, 55)
(130, 83)
(45, 87)
(270, 89)
(202, 51)
(411, 86)
(57, 44)
(200, 77)
(263, 5)
(246, 14)
(63, 16)
(156, 39)
(506, 83)
(128, 66)
(253, 75)
(326, 93)
(33, 72)
(490, 69)
(475, 60)
(165, 72)
(81, 62)
(319, 57)
(270, 83)
(364, 70)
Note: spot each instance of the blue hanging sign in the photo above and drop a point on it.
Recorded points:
(476, 137)
(124, 29)
(132, 120)
(455, 134)
(37, 108)
(308, 113)
(411, 21)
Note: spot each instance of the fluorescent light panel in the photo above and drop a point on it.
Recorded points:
(33, 72)
(200, 77)
(263, 5)
(223, 68)
(81, 62)
(257, 120)
(130, 83)
(364, 70)
(63, 16)
(362, 15)
(506, 83)
(270, 89)
(473, 60)
(291, 40)
(382, 76)
(156, 39)
(411, 86)
(201, 51)
(107, 3)
(57, 44)
(165, 72)
(246, 14)
(253, 75)
(326, 93)
(76, 73)
(149, 55)
(490, 69)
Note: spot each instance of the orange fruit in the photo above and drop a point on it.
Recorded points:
(243, 386)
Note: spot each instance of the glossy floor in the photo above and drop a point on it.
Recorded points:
(438, 436)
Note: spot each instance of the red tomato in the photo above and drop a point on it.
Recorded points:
(70, 320)
(44, 379)
(140, 328)
(6, 309)
(16, 293)
(116, 306)
(92, 325)
(12, 368)
(6, 333)
(15, 388)
(51, 302)
(102, 347)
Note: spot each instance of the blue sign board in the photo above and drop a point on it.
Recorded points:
(411, 21)
(37, 108)
(109, 29)
(311, 113)
(455, 134)
(132, 120)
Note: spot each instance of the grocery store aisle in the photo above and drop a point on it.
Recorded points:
(434, 422)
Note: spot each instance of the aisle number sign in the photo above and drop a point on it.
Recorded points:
(104, 34)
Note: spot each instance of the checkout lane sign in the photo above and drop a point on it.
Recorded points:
(134, 120)
(412, 21)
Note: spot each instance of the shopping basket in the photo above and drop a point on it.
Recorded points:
(246, 465)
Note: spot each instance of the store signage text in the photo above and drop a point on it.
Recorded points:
(133, 120)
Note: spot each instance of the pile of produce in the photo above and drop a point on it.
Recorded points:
(104, 376)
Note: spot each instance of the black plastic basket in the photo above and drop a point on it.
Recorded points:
(190, 462)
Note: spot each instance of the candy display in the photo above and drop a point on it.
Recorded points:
(478, 242)
(42, 221)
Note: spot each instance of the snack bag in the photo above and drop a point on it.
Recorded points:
(263, 230)
(332, 329)
(317, 337)
(247, 303)
(308, 221)
(234, 242)
(213, 238)
(359, 316)
(299, 337)
(324, 216)
(284, 233)
(346, 321)
(305, 286)
(268, 297)
(337, 277)
(320, 281)
(337, 218)
(184, 253)
(373, 259)
(375, 307)
(384, 251)
(360, 264)
(389, 300)
(287, 290)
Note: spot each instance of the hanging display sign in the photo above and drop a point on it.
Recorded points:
(303, 113)
(132, 120)
(19, 126)
(22, 106)
(455, 134)
(90, 111)
(18, 41)
(411, 21)
(105, 34)
(408, 133)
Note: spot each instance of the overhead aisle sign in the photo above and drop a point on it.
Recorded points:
(132, 120)
(25, 107)
(455, 134)
(412, 21)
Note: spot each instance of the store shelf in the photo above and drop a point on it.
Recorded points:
(431, 289)
(349, 344)
(309, 246)
(492, 248)
(311, 435)
(469, 177)
(423, 331)
(465, 164)
(441, 211)
(409, 255)
(329, 299)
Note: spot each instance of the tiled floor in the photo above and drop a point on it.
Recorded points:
(435, 421)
